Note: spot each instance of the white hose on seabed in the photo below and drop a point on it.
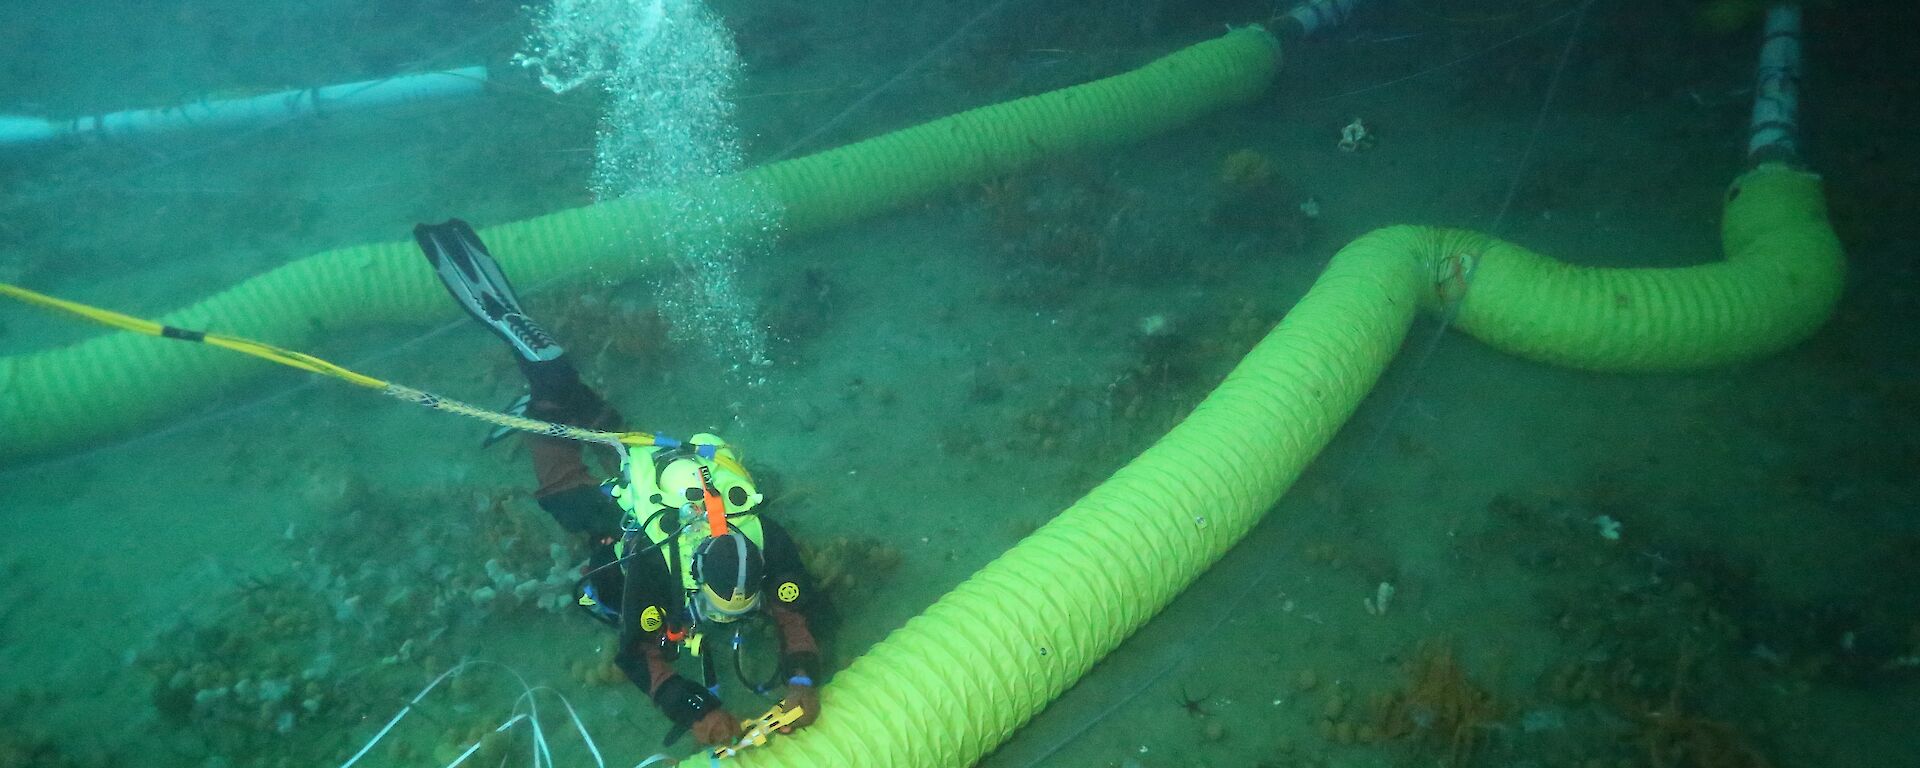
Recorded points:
(542, 755)
(267, 108)
(1774, 129)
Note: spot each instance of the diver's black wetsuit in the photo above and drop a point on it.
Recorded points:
(648, 656)
(572, 494)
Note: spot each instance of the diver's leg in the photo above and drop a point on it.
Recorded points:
(568, 489)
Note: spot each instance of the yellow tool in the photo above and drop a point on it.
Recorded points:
(755, 732)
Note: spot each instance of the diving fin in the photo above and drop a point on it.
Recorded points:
(518, 408)
(474, 280)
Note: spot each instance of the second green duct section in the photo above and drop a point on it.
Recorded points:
(113, 385)
(959, 679)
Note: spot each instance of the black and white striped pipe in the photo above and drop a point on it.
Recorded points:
(21, 131)
(1315, 15)
(1775, 127)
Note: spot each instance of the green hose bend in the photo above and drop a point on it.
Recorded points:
(1779, 282)
(960, 678)
(957, 680)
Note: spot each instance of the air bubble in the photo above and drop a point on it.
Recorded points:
(668, 69)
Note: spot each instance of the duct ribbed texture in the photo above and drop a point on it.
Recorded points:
(1780, 280)
(957, 680)
(111, 385)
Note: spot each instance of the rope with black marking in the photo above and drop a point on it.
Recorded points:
(309, 363)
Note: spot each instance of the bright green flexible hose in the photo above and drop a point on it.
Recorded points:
(957, 680)
(1779, 282)
(109, 386)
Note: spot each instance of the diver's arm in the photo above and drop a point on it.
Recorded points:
(799, 652)
(683, 701)
(792, 591)
(645, 598)
(792, 598)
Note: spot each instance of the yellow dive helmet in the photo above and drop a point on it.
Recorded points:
(680, 473)
(728, 569)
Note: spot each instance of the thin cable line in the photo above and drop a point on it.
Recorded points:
(868, 98)
(1530, 32)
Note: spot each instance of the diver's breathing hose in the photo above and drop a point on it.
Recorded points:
(1775, 126)
(268, 352)
(581, 584)
(628, 597)
(760, 687)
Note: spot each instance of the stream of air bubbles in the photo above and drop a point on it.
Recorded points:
(668, 69)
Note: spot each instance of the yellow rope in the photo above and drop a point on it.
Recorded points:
(95, 314)
(522, 423)
(306, 362)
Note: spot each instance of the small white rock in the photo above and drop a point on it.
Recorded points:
(1155, 325)
(1382, 597)
(1609, 527)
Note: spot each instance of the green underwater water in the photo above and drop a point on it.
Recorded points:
(946, 377)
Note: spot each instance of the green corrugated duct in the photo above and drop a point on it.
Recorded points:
(108, 386)
(1779, 282)
(957, 680)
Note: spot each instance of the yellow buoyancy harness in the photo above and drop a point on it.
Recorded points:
(663, 493)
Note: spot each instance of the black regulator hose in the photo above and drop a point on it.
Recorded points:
(762, 687)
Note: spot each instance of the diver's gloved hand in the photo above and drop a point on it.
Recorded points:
(696, 709)
(807, 698)
(717, 728)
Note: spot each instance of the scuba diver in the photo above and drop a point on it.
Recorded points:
(679, 556)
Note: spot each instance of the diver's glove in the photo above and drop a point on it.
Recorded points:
(687, 705)
(807, 698)
(718, 728)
